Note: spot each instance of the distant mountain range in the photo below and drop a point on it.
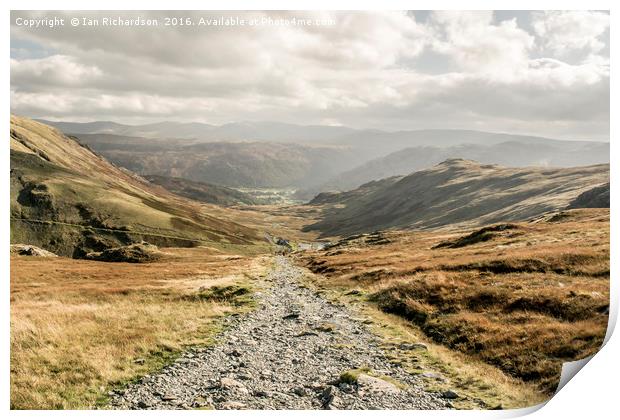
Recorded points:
(510, 153)
(456, 191)
(241, 131)
(312, 158)
(386, 141)
(231, 164)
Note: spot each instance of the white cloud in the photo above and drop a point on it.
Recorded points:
(56, 69)
(479, 46)
(561, 32)
(360, 72)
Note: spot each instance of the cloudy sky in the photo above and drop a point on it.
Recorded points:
(543, 73)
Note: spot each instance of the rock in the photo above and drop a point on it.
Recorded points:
(325, 327)
(135, 253)
(292, 315)
(329, 398)
(142, 404)
(299, 391)
(316, 386)
(230, 383)
(353, 292)
(376, 385)
(412, 346)
(139, 361)
(235, 353)
(346, 388)
(306, 333)
(31, 251)
(328, 393)
(449, 394)
(261, 394)
(168, 397)
(432, 375)
(233, 405)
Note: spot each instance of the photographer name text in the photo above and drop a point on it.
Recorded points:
(119, 21)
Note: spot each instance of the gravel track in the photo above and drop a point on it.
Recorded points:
(288, 353)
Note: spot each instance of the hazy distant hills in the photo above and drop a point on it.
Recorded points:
(370, 140)
(232, 164)
(457, 191)
(69, 200)
(313, 158)
(511, 153)
(240, 131)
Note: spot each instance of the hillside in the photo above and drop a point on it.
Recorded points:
(313, 158)
(69, 200)
(231, 164)
(459, 191)
(517, 153)
(523, 297)
(201, 191)
(597, 197)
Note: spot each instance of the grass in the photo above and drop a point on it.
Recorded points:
(79, 328)
(519, 303)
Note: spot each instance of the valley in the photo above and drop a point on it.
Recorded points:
(195, 267)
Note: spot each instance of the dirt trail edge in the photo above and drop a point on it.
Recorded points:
(289, 353)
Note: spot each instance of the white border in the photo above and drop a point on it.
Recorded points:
(592, 394)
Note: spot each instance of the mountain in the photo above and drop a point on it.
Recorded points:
(597, 197)
(201, 191)
(313, 158)
(238, 131)
(511, 153)
(232, 164)
(363, 190)
(69, 200)
(460, 192)
(368, 139)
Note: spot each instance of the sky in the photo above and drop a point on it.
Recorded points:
(541, 73)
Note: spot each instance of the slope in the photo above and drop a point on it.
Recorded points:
(519, 153)
(459, 191)
(69, 200)
(202, 191)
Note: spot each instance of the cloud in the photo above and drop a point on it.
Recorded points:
(367, 70)
(59, 70)
(479, 46)
(561, 32)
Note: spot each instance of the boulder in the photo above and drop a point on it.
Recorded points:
(30, 250)
(135, 253)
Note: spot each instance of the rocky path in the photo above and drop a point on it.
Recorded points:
(289, 353)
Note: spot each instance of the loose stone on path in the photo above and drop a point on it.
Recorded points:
(289, 353)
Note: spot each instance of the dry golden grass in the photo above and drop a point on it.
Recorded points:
(78, 326)
(524, 300)
(282, 221)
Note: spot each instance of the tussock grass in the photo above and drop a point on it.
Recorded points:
(523, 303)
(80, 327)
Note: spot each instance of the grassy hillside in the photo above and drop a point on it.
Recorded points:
(202, 191)
(523, 297)
(459, 191)
(515, 153)
(69, 200)
(237, 164)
